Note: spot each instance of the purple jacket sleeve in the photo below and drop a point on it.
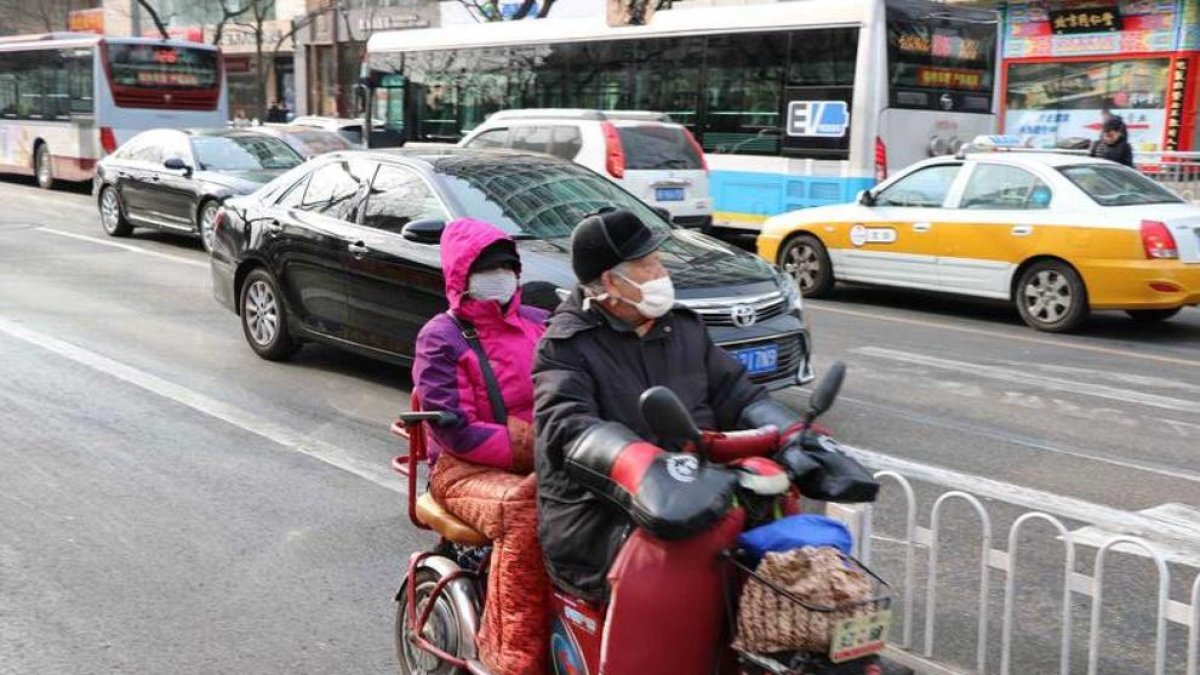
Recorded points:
(442, 378)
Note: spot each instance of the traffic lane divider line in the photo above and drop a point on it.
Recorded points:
(1013, 376)
(124, 247)
(1023, 441)
(225, 412)
(824, 307)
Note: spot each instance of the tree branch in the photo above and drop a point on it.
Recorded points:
(158, 22)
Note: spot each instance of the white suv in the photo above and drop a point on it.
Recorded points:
(652, 157)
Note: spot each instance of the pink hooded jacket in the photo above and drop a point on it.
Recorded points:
(446, 372)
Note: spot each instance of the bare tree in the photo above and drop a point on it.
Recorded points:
(489, 10)
(152, 12)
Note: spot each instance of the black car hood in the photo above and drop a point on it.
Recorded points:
(240, 182)
(697, 262)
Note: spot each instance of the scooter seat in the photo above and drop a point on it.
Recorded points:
(433, 514)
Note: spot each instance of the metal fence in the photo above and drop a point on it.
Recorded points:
(1179, 171)
(924, 658)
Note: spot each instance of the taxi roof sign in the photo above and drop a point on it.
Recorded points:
(996, 141)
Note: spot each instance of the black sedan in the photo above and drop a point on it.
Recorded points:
(175, 179)
(344, 251)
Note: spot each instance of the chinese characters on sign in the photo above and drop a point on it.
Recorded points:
(949, 78)
(1175, 94)
(1085, 20)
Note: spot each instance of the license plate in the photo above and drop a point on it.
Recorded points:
(669, 194)
(759, 360)
(860, 636)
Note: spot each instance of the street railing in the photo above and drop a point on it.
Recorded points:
(1167, 611)
(1179, 171)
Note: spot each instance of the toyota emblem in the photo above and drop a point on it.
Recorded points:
(946, 101)
(743, 316)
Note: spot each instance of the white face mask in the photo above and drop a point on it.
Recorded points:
(658, 296)
(498, 284)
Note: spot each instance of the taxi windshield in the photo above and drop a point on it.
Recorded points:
(1113, 185)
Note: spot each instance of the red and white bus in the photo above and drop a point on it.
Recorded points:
(67, 99)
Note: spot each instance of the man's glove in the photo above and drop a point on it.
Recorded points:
(670, 495)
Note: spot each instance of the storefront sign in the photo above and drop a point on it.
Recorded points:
(1176, 92)
(86, 21)
(1085, 20)
(1047, 128)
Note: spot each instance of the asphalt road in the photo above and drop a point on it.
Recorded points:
(171, 503)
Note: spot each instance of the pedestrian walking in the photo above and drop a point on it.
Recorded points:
(1114, 142)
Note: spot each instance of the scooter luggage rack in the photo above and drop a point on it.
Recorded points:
(738, 573)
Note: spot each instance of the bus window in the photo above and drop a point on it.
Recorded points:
(743, 93)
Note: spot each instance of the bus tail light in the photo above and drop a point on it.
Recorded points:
(1157, 240)
(699, 150)
(880, 160)
(108, 140)
(614, 154)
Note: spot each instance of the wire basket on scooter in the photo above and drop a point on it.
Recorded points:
(774, 626)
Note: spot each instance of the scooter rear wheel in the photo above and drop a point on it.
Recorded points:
(442, 629)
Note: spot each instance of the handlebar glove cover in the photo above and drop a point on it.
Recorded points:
(670, 495)
(791, 455)
(841, 478)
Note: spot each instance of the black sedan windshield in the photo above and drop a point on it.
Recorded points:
(246, 152)
(532, 196)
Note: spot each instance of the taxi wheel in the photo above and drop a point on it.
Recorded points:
(1051, 297)
(1152, 315)
(805, 259)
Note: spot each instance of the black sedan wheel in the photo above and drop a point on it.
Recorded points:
(205, 222)
(1051, 297)
(1152, 315)
(264, 320)
(112, 213)
(807, 261)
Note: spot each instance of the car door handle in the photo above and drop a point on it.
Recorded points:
(922, 227)
(274, 227)
(1022, 230)
(358, 249)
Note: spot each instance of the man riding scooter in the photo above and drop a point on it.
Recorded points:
(600, 473)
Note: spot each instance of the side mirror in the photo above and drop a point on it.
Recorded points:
(428, 231)
(866, 198)
(826, 392)
(663, 413)
(177, 164)
(662, 213)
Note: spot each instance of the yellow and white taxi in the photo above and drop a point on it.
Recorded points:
(1056, 234)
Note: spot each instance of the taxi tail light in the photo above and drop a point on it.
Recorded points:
(613, 152)
(699, 150)
(108, 140)
(880, 160)
(1157, 240)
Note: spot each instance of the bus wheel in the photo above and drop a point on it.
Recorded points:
(42, 170)
(112, 216)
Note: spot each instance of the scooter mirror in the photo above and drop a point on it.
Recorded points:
(666, 417)
(826, 392)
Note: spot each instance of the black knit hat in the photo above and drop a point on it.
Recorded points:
(1114, 123)
(500, 253)
(602, 241)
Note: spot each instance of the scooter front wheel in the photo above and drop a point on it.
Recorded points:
(448, 627)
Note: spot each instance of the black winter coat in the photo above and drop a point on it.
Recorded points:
(1120, 152)
(590, 368)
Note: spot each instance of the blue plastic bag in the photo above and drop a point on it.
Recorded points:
(796, 532)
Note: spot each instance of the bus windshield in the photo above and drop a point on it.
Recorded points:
(155, 66)
(940, 60)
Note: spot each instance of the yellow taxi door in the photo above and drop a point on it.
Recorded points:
(896, 241)
(995, 226)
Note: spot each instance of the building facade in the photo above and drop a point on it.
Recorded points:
(1068, 64)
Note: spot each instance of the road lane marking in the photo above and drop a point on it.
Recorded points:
(1031, 443)
(1194, 363)
(1095, 536)
(231, 414)
(1014, 376)
(1178, 540)
(124, 247)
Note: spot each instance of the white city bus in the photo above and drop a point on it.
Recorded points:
(66, 99)
(796, 104)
